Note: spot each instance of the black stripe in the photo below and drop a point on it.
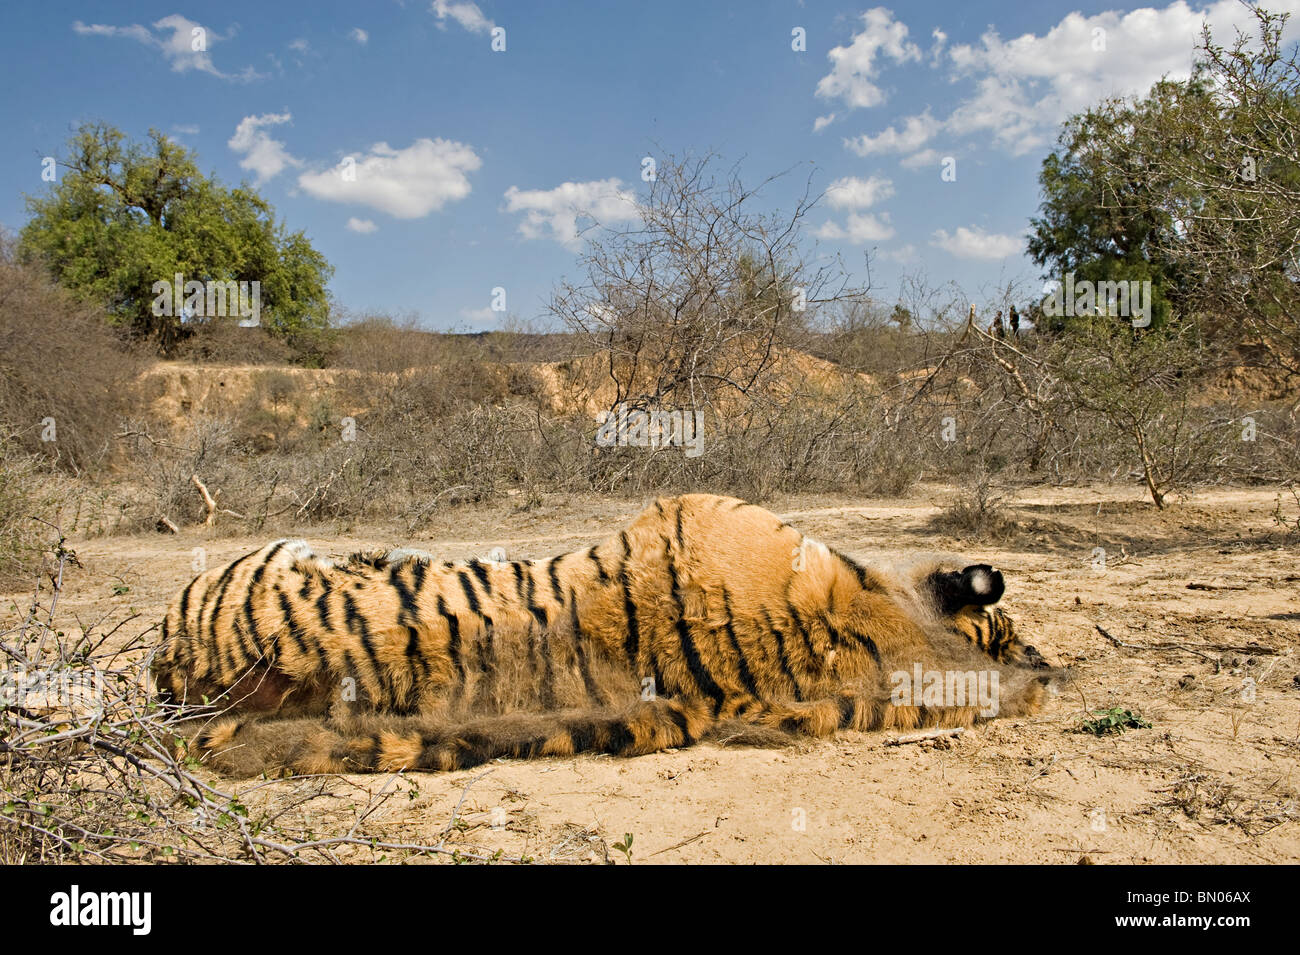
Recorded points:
(551, 571)
(848, 707)
(813, 655)
(223, 584)
(357, 624)
(579, 649)
(746, 677)
(481, 572)
(253, 583)
(548, 672)
(323, 611)
(295, 631)
(415, 658)
(453, 641)
(679, 717)
(410, 610)
(703, 678)
(859, 571)
(530, 598)
(681, 540)
(782, 656)
(419, 567)
(471, 596)
(632, 642)
(600, 568)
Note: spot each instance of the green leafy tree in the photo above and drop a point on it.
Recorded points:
(125, 216)
(1105, 215)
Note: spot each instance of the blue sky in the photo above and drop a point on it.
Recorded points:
(471, 165)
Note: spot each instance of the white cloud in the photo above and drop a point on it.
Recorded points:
(860, 227)
(854, 68)
(904, 254)
(175, 37)
(363, 226)
(467, 14)
(554, 213)
(916, 131)
(405, 183)
(940, 41)
(821, 122)
(975, 243)
(186, 129)
(265, 157)
(851, 192)
(926, 157)
(300, 45)
(1017, 91)
(480, 316)
(360, 35)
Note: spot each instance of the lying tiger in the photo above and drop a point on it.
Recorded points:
(706, 618)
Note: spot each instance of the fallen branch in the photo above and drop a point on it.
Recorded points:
(685, 842)
(1196, 586)
(210, 503)
(1217, 647)
(923, 736)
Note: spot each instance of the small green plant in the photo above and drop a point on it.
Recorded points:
(1114, 720)
(625, 846)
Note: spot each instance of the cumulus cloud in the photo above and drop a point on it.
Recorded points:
(926, 157)
(851, 192)
(858, 228)
(854, 68)
(554, 213)
(467, 14)
(1017, 91)
(360, 35)
(915, 132)
(264, 156)
(405, 183)
(183, 44)
(363, 226)
(975, 243)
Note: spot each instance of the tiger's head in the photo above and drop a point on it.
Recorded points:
(966, 599)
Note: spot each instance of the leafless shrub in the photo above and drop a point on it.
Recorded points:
(91, 769)
(66, 377)
(978, 511)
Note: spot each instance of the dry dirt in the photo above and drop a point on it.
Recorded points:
(1213, 780)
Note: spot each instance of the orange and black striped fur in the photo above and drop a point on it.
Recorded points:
(706, 617)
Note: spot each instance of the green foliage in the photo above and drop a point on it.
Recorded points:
(1113, 721)
(1105, 215)
(625, 846)
(127, 215)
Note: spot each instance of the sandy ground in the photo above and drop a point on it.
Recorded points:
(1214, 780)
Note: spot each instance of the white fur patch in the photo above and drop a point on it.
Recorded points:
(981, 582)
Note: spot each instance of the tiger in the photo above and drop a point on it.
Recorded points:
(706, 618)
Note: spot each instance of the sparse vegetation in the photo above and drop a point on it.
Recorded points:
(1113, 722)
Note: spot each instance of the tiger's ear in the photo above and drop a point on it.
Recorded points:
(978, 584)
